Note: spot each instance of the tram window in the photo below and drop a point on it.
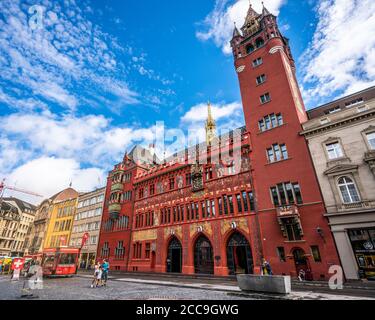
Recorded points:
(67, 258)
(49, 259)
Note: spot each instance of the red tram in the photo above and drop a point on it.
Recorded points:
(61, 262)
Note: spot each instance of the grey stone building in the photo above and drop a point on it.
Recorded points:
(341, 138)
(87, 220)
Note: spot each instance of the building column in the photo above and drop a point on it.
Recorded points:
(346, 254)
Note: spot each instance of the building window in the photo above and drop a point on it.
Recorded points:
(371, 140)
(220, 203)
(259, 42)
(209, 174)
(105, 250)
(281, 254)
(147, 250)
(353, 102)
(257, 62)
(286, 194)
(277, 153)
(292, 229)
(334, 151)
(348, 190)
(152, 190)
(188, 179)
(141, 193)
(271, 121)
(265, 98)
(239, 204)
(252, 201)
(231, 207)
(120, 250)
(171, 183)
(261, 79)
(249, 49)
(316, 253)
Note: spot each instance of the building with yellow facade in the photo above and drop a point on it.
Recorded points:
(61, 219)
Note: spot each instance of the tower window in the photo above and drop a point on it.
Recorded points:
(271, 121)
(265, 98)
(286, 194)
(257, 62)
(249, 49)
(277, 153)
(259, 42)
(261, 79)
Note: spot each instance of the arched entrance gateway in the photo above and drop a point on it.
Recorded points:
(302, 263)
(239, 256)
(203, 256)
(174, 258)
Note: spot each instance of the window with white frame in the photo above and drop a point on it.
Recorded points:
(348, 190)
(334, 150)
(371, 140)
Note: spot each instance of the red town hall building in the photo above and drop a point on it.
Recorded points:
(223, 206)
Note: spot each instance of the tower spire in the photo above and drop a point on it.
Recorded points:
(236, 32)
(210, 125)
(265, 11)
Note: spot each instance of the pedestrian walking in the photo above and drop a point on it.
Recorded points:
(266, 267)
(105, 267)
(301, 275)
(96, 275)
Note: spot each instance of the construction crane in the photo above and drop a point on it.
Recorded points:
(4, 187)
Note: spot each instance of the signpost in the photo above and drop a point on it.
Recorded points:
(17, 266)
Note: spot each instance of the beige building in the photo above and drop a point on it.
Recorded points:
(9, 221)
(39, 227)
(341, 138)
(27, 213)
(87, 220)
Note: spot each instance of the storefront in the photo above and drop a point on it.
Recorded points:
(363, 244)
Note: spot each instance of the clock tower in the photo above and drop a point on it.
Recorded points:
(289, 205)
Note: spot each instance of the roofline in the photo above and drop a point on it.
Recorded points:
(342, 98)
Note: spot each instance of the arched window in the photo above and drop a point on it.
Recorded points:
(259, 42)
(249, 49)
(348, 190)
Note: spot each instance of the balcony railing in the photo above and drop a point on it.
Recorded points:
(114, 207)
(117, 187)
(362, 205)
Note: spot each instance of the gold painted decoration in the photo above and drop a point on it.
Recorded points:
(227, 225)
(145, 235)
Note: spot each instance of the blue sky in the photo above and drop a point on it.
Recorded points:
(96, 76)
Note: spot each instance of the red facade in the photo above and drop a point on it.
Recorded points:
(225, 216)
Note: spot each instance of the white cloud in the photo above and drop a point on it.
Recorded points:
(199, 112)
(49, 175)
(340, 59)
(218, 25)
(69, 51)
